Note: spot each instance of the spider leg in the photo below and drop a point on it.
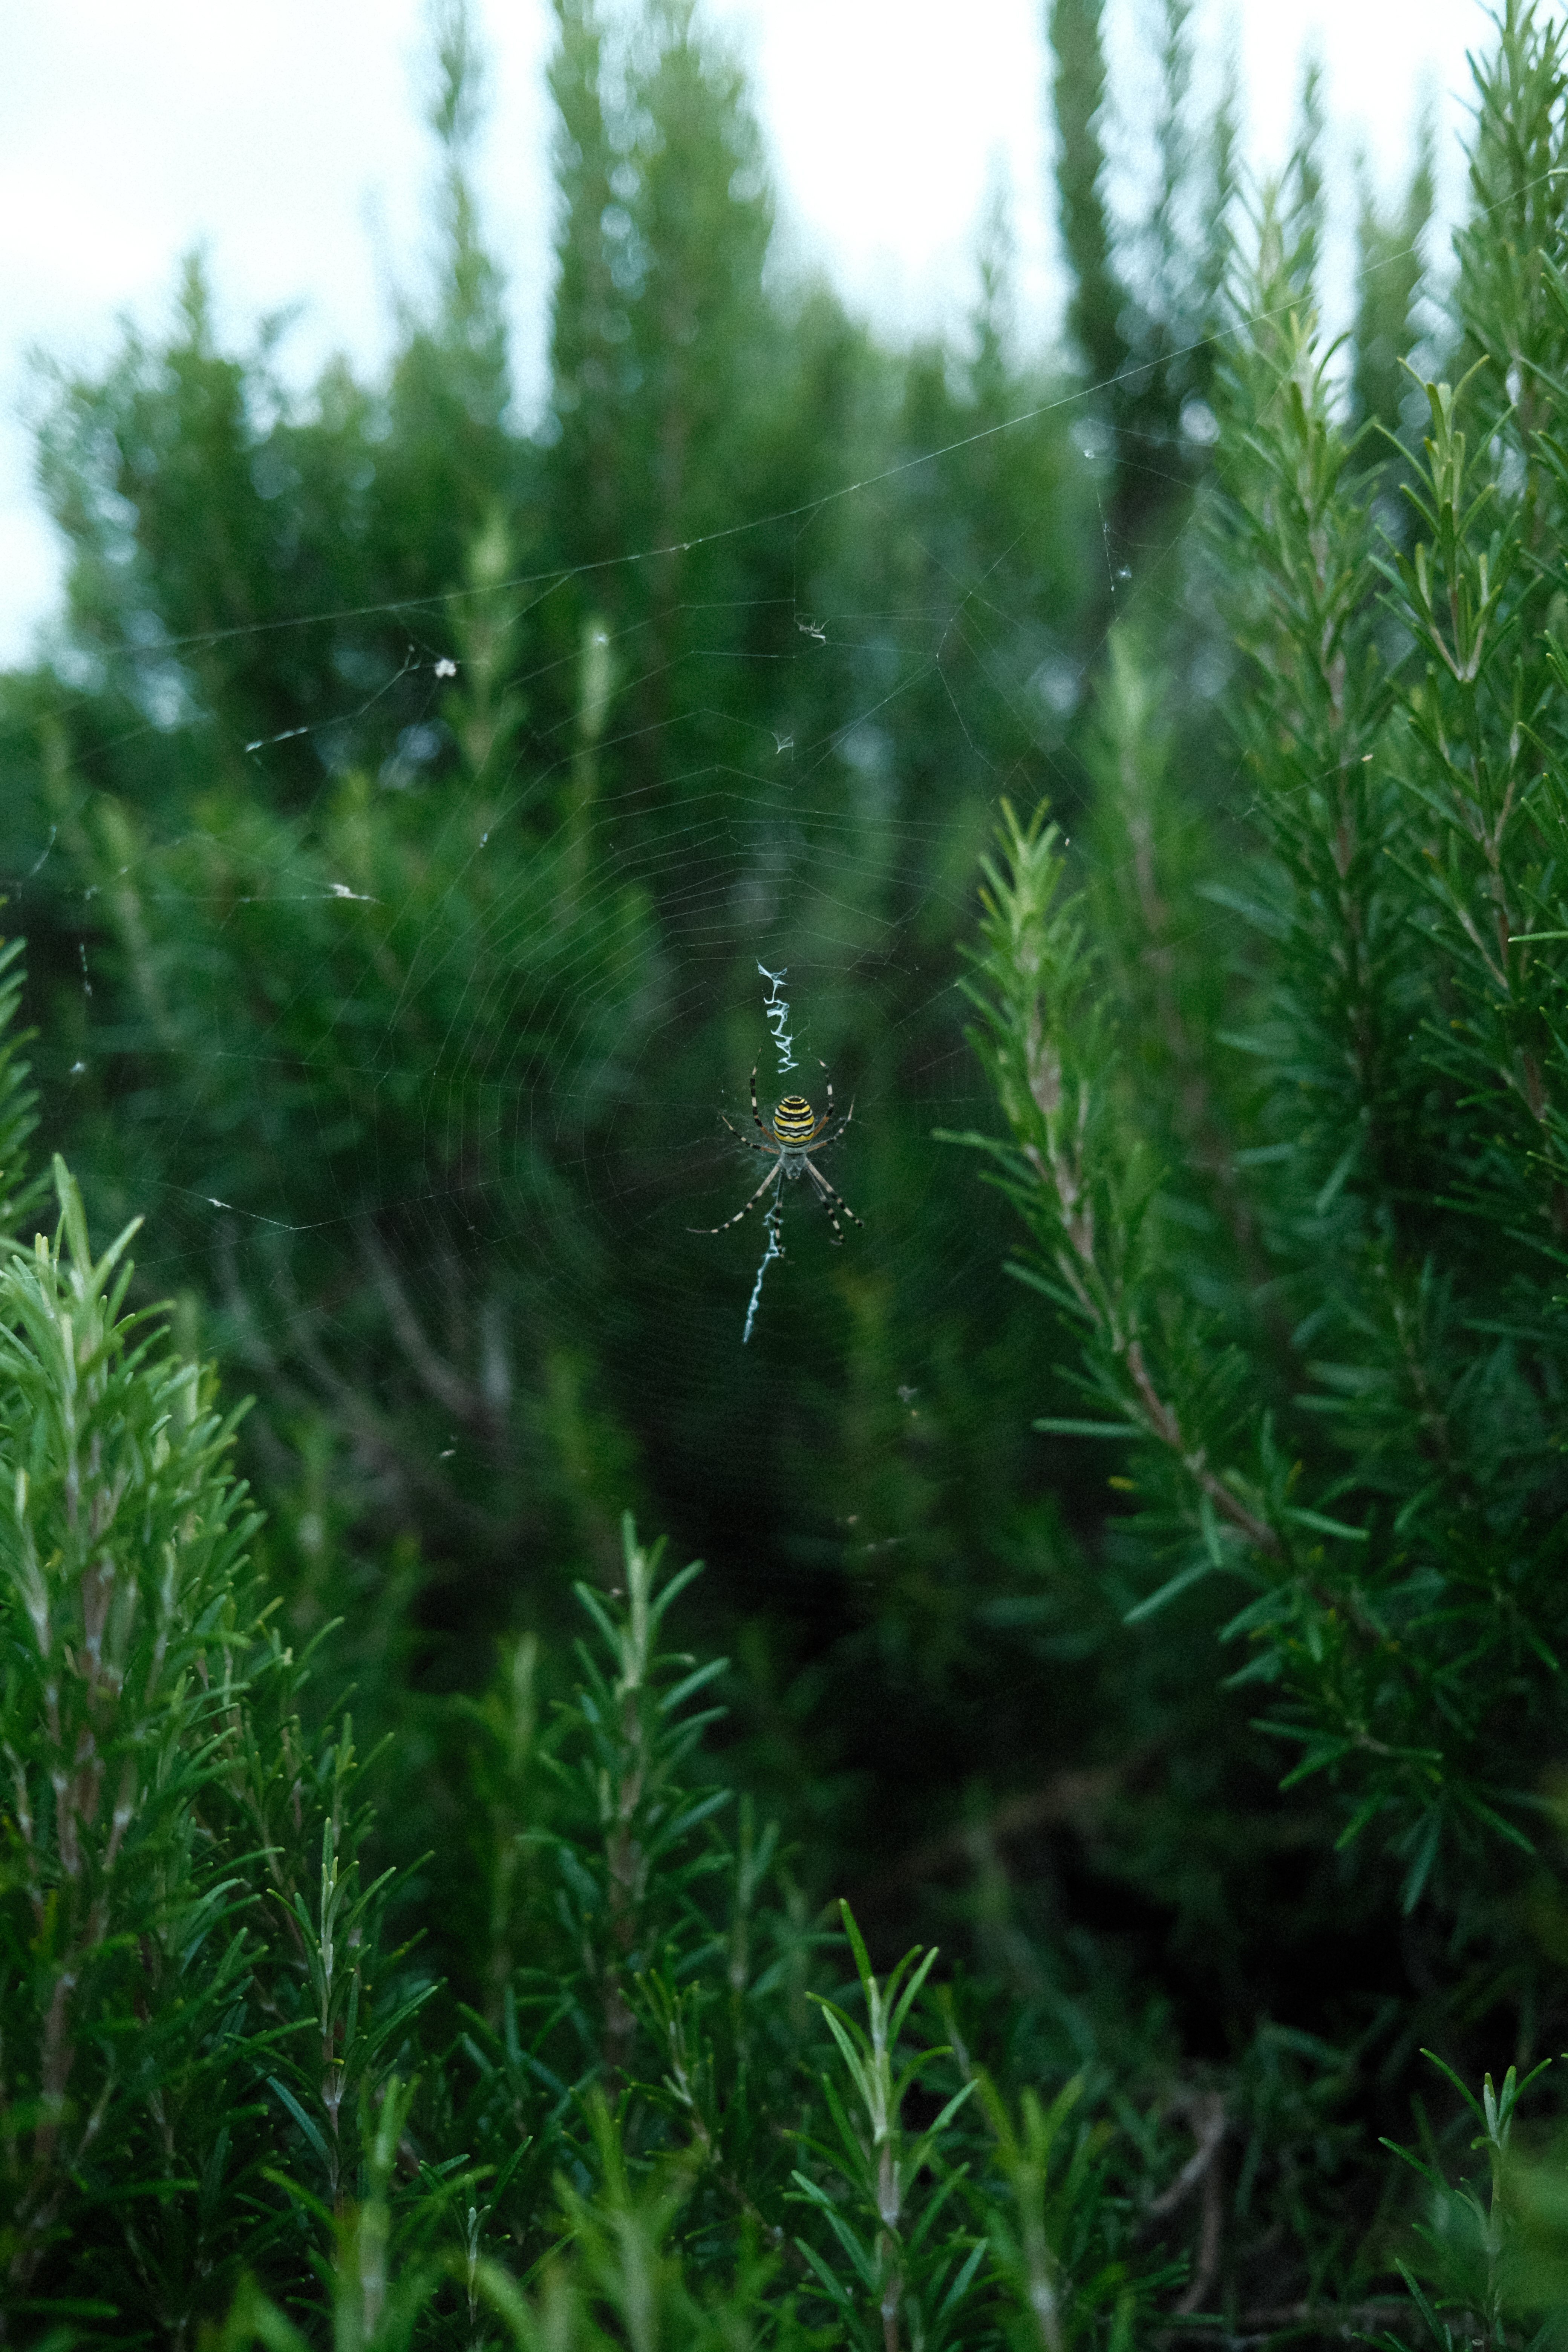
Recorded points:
(830, 1200)
(771, 1177)
(756, 1116)
(741, 1139)
(819, 1142)
(825, 1121)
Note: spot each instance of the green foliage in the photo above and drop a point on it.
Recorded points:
(438, 983)
(400, 834)
(1385, 1491)
(1390, 274)
(902, 2273)
(1145, 307)
(18, 1101)
(1042, 2232)
(174, 1988)
(1316, 1292)
(127, 1648)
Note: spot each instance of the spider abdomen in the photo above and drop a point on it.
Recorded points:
(794, 1121)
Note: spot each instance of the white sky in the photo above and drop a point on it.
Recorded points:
(286, 136)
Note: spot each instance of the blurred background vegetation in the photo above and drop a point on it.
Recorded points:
(396, 845)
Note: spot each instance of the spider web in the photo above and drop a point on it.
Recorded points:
(794, 881)
(580, 1145)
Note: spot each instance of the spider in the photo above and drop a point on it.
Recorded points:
(790, 1138)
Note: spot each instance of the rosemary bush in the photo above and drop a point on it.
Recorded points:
(1301, 1200)
(534, 2013)
(222, 2121)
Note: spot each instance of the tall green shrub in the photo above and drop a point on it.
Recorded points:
(1304, 1217)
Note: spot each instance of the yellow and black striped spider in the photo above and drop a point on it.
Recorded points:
(790, 1138)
